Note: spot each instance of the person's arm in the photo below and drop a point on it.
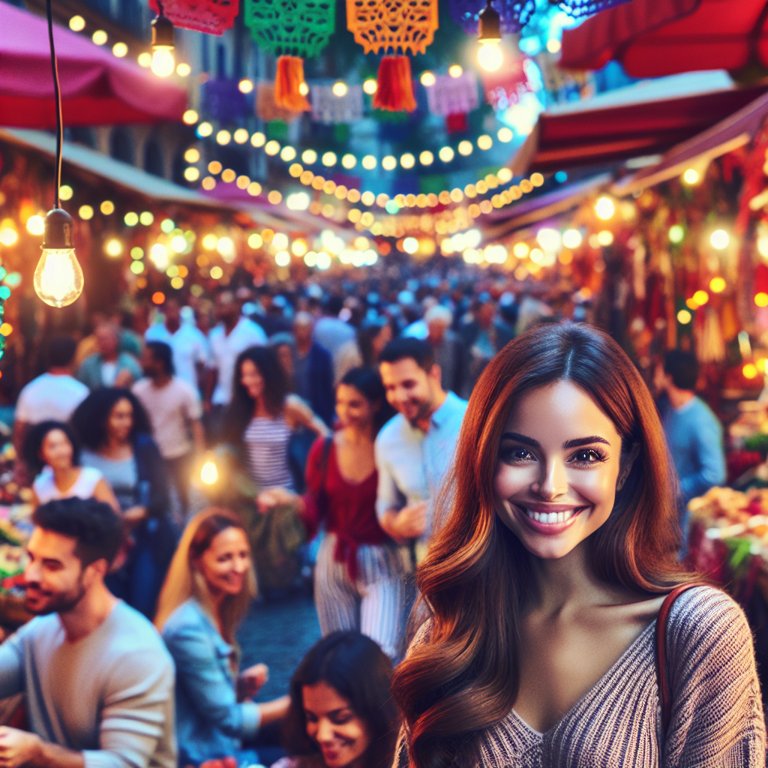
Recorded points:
(204, 679)
(300, 414)
(397, 521)
(103, 492)
(716, 712)
(19, 748)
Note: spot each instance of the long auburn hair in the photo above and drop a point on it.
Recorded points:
(476, 578)
(184, 579)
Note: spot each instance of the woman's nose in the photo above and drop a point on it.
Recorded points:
(553, 481)
(324, 730)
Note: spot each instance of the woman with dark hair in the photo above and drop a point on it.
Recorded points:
(546, 580)
(52, 453)
(262, 416)
(207, 593)
(342, 714)
(359, 577)
(114, 430)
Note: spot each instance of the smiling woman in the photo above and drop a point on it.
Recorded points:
(208, 591)
(546, 579)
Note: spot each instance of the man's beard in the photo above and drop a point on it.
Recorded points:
(62, 603)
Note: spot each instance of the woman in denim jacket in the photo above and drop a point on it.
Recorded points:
(207, 592)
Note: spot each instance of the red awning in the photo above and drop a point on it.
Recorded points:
(660, 37)
(726, 136)
(97, 88)
(617, 127)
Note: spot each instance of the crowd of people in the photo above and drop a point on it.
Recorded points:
(500, 527)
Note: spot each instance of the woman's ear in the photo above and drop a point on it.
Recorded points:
(627, 462)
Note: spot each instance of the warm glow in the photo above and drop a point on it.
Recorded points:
(701, 297)
(691, 177)
(572, 238)
(190, 117)
(455, 70)
(36, 225)
(717, 284)
(340, 89)
(427, 79)
(676, 234)
(749, 370)
(605, 208)
(77, 23)
(100, 37)
(761, 299)
(114, 248)
(58, 279)
(245, 85)
(209, 472)
(684, 317)
(370, 86)
(490, 56)
(163, 61)
(720, 240)
(120, 50)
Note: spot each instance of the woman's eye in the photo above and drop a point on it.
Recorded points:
(515, 454)
(587, 456)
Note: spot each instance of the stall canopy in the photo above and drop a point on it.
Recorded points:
(90, 163)
(643, 119)
(660, 37)
(97, 88)
(730, 134)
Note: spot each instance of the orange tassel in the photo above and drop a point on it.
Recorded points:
(395, 85)
(289, 83)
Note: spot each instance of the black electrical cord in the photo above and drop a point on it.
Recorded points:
(57, 98)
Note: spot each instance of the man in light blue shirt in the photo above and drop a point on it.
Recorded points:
(694, 434)
(414, 449)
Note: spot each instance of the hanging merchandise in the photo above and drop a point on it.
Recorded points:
(213, 17)
(453, 95)
(222, 100)
(293, 30)
(331, 106)
(267, 107)
(399, 26)
(579, 9)
(515, 14)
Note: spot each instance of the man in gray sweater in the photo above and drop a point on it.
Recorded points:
(97, 678)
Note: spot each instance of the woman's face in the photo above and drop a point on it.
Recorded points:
(226, 562)
(251, 379)
(353, 408)
(56, 450)
(333, 725)
(120, 421)
(558, 466)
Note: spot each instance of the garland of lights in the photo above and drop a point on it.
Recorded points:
(389, 163)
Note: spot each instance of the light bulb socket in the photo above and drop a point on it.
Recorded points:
(59, 229)
(162, 32)
(489, 24)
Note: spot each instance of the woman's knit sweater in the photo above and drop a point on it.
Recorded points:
(717, 717)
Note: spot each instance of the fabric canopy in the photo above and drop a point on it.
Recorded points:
(726, 136)
(91, 163)
(97, 88)
(643, 119)
(661, 37)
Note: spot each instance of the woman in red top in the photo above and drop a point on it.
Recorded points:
(359, 581)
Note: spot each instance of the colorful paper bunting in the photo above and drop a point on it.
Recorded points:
(212, 17)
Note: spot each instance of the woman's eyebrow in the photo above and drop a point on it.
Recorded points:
(575, 443)
(518, 438)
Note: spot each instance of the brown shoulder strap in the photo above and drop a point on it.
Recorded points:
(662, 673)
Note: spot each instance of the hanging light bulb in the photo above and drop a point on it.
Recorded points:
(163, 59)
(489, 55)
(58, 278)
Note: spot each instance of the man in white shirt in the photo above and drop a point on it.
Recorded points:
(175, 412)
(415, 448)
(52, 395)
(189, 345)
(227, 340)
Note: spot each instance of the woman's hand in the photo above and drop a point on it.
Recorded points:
(270, 498)
(251, 681)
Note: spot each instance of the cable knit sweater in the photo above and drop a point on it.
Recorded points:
(717, 718)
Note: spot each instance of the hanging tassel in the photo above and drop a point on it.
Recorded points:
(289, 82)
(395, 85)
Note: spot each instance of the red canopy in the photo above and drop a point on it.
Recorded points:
(97, 88)
(661, 37)
(644, 119)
